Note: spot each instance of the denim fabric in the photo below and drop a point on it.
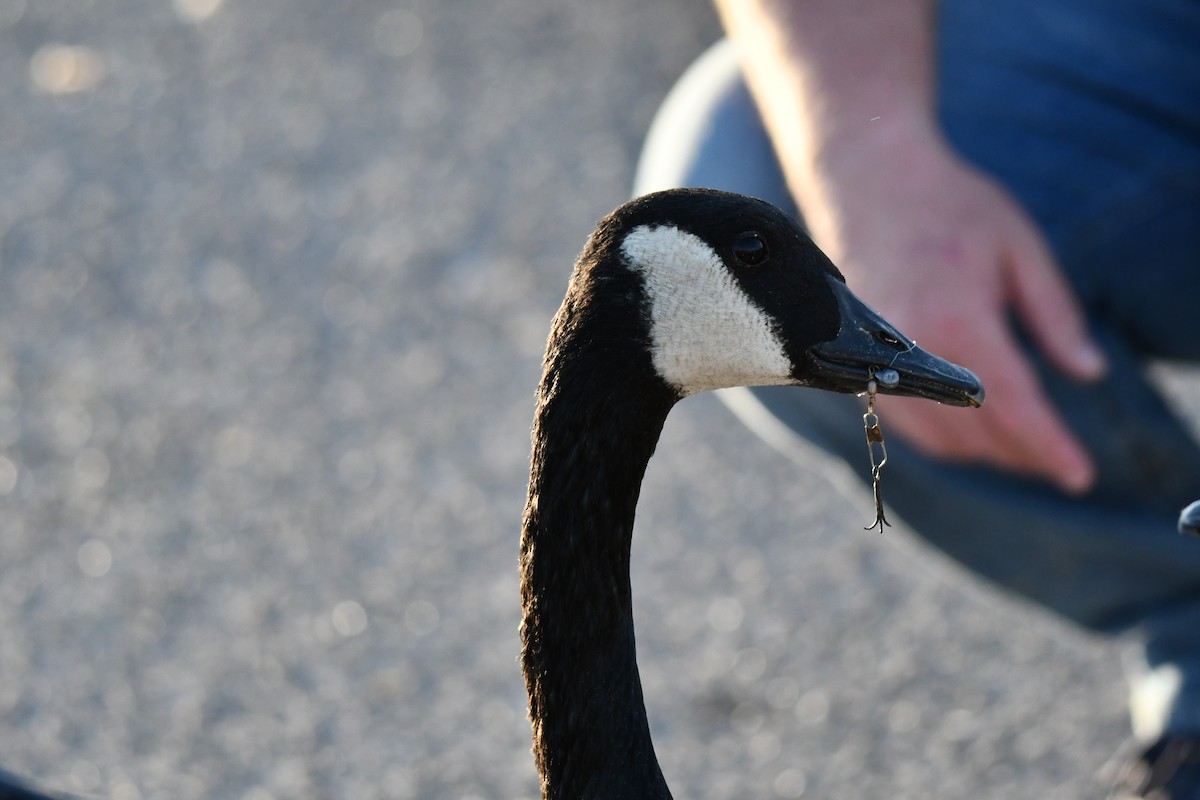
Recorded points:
(1089, 113)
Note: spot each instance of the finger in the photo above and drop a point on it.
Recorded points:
(1017, 430)
(1029, 434)
(1049, 308)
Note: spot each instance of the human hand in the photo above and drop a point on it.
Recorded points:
(948, 257)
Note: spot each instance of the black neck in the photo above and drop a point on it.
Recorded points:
(600, 413)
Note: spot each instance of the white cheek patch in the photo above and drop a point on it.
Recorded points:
(705, 332)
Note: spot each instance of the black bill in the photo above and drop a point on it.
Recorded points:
(867, 345)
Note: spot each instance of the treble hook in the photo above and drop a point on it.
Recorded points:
(876, 448)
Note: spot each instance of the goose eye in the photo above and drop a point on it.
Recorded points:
(749, 249)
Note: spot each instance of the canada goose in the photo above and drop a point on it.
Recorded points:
(675, 293)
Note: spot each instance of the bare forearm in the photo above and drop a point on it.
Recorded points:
(827, 73)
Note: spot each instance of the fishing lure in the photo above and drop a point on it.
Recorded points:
(876, 447)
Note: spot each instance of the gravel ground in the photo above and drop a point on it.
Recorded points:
(274, 283)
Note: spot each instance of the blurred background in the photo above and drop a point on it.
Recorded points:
(275, 278)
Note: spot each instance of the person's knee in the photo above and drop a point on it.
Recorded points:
(708, 133)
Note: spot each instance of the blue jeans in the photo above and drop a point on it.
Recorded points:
(1089, 113)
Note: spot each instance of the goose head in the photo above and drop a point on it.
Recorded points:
(734, 293)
